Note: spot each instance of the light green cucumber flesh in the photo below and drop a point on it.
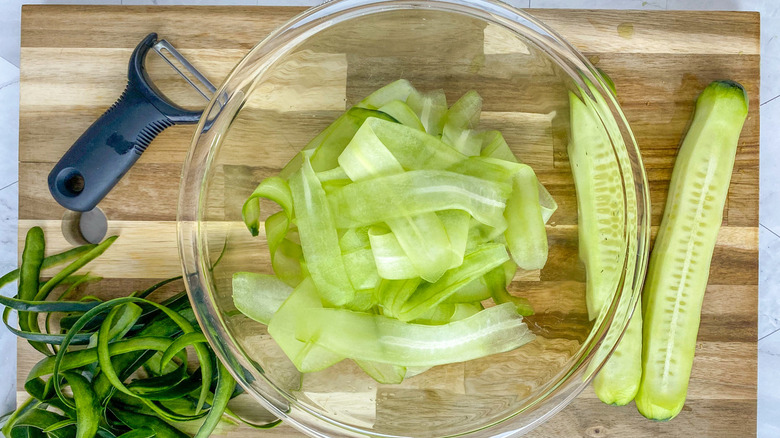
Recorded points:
(431, 108)
(398, 90)
(680, 261)
(259, 296)
(422, 236)
(525, 235)
(599, 191)
(306, 356)
(600, 205)
(382, 372)
(389, 224)
(403, 113)
(618, 381)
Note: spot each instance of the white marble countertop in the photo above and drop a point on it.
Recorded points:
(769, 217)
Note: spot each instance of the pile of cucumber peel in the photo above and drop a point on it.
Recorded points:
(652, 363)
(396, 225)
(111, 368)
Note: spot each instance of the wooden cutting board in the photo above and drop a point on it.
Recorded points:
(74, 61)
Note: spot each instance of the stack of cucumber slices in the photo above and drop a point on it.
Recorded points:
(397, 222)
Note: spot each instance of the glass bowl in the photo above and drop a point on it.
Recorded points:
(295, 83)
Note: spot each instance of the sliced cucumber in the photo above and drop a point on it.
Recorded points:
(494, 146)
(445, 313)
(401, 112)
(328, 144)
(460, 121)
(431, 108)
(497, 281)
(382, 372)
(390, 259)
(394, 226)
(525, 235)
(475, 264)
(259, 296)
(361, 269)
(680, 261)
(381, 339)
(398, 90)
(306, 355)
(422, 236)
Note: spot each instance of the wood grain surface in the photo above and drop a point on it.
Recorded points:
(74, 61)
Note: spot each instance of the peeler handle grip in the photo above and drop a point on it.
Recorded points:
(106, 151)
(115, 141)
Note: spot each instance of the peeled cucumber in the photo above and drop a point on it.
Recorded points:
(596, 170)
(598, 184)
(680, 261)
(618, 380)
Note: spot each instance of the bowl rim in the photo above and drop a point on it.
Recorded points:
(284, 40)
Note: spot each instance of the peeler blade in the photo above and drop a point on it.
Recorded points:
(164, 49)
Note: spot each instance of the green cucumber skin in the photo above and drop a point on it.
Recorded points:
(680, 261)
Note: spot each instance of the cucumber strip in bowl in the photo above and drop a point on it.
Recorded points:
(421, 191)
(421, 235)
(403, 113)
(319, 239)
(431, 108)
(391, 237)
(259, 296)
(680, 261)
(398, 90)
(494, 146)
(525, 234)
(387, 340)
(460, 121)
(306, 355)
(327, 146)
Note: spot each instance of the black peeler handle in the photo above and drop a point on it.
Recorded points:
(115, 141)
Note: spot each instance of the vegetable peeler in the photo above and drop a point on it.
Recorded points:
(115, 141)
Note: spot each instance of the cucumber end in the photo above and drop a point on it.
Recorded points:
(653, 411)
(613, 390)
(725, 91)
(620, 398)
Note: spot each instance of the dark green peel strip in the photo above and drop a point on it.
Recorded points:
(49, 261)
(87, 405)
(30, 272)
(223, 393)
(128, 333)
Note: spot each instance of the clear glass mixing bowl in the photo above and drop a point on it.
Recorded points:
(296, 82)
